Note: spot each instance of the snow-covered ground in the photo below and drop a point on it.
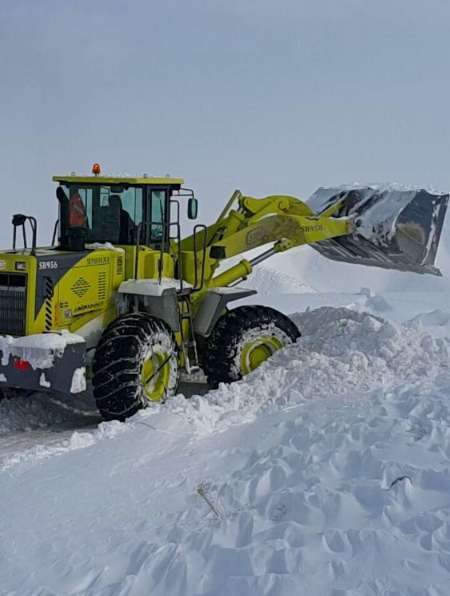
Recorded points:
(326, 471)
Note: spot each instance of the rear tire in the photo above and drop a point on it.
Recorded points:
(136, 362)
(243, 339)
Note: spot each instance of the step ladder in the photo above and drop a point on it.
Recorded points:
(188, 344)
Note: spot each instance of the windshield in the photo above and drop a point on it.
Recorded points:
(114, 213)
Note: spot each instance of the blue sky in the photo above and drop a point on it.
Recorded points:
(269, 97)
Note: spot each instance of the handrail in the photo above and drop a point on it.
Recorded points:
(55, 230)
(177, 224)
(198, 286)
(19, 220)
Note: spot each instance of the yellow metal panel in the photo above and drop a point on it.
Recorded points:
(83, 293)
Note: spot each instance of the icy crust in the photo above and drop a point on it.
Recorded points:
(39, 350)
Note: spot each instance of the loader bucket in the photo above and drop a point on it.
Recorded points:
(393, 228)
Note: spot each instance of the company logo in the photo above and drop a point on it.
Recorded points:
(80, 287)
(98, 260)
(311, 228)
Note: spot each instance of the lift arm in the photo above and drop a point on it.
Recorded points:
(247, 223)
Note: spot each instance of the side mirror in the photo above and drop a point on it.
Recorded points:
(18, 219)
(192, 208)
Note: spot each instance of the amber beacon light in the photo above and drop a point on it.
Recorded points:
(96, 169)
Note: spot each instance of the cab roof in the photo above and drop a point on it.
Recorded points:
(132, 181)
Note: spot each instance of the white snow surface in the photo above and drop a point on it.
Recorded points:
(78, 384)
(43, 381)
(267, 281)
(105, 246)
(151, 287)
(326, 471)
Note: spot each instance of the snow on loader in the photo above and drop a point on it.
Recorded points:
(121, 299)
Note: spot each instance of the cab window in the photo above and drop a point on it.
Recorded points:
(107, 213)
(115, 213)
(157, 215)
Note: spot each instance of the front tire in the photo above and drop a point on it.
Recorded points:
(136, 363)
(242, 340)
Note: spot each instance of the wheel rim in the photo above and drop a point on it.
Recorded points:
(257, 351)
(155, 375)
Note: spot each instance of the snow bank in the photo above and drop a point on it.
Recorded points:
(341, 353)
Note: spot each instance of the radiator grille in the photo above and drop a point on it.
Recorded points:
(13, 296)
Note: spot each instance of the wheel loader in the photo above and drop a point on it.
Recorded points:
(122, 303)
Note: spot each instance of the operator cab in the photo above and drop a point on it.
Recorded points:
(122, 211)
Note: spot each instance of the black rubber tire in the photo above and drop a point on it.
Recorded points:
(118, 362)
(218, 355)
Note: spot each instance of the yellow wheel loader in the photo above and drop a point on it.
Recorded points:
(122, 300)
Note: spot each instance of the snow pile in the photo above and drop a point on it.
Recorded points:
(341, 352)
(383, 351)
